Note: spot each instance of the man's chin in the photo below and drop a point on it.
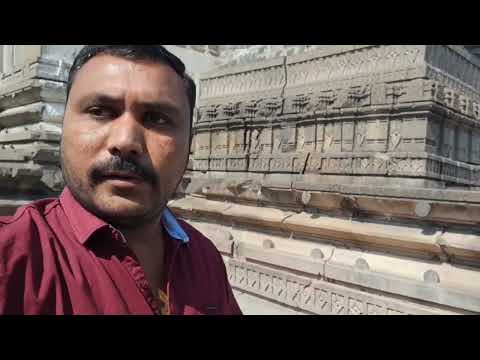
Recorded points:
(127, 217)
(124, 211)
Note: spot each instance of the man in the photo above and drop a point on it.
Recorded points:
(109, 244)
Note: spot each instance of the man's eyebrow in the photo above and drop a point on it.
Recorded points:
(101, 99)
(161, 106)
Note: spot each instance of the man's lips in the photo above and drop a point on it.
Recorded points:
(123, 176)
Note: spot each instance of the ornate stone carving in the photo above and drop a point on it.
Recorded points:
(394, 92)
(288, 139)
(237, 163)
(317, 297)
(269, 107)
(360, 95)
(237, 141)
(365, 99)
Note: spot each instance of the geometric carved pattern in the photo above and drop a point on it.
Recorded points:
(366, 99)
(314, 296)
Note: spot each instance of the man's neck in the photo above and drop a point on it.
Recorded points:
(144, 235)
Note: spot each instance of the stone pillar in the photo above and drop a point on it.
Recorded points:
(32, 96)
(7, 59)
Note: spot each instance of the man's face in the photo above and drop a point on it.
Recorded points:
(125, 138)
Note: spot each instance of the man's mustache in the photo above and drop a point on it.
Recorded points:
(116, 163)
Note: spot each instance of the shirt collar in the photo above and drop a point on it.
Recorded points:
(85, 224)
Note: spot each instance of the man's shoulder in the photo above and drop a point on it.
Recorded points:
(202, 248)
(197, 240)
(211, 285)
(23, 224)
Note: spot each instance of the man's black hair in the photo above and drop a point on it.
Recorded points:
(154, 53)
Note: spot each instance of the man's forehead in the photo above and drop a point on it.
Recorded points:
(117, 70)
(114, 76)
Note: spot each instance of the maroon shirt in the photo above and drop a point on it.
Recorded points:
(58, 258)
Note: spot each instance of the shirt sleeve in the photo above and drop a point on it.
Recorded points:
(12, 275)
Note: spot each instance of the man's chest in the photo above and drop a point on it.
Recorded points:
(112, 281)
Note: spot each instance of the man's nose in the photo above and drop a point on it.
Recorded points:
(126, 136)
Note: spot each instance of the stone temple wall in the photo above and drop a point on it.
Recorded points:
(382, 113)
(342, 180)
(333, 179)
(231, 55)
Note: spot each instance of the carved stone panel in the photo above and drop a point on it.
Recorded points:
(228, 110)
(337, 165)
(395, 135)
(340, 99)
(237, 141)
(360, 109)
(452, 99)
(281, 163)
(356, 307)
(414, 133)
(361, 135)
(276, 139)
(465, 105)
(339, 304)
(448, 146)
(288, 139)
(359, 96)
(265, 139)
(207, 113)
(377, 132)
(407, 167)
(237, 163)
(247, 109)
(463, 144)
(370, 165)
(347, 136)
(332, 137)
(325, 101)
(259, 163)
(320, 137)
(395, 92)
(299, 104)
(414, 91)
(434, 131)
(202, 144)
(449, 171)
(475, 154)
(378, 95)
(306, 138)
(476, 111)
(304, 103)
(201, 164)
(268, 108)
(299, 163)
(219, 142)
(314, 164)
(218, 164)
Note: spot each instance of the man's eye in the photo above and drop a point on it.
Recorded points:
(101, 112)
(153, 118)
